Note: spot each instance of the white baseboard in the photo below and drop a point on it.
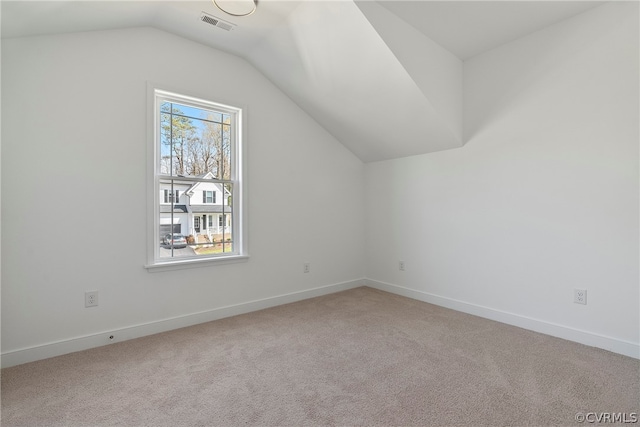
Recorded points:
(45, 351)
(615, 345)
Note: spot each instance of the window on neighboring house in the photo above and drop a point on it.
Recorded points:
(196, 143)
(221, 220)
(208, 197)
(168, 196)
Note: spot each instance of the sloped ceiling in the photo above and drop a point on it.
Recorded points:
(383, 77)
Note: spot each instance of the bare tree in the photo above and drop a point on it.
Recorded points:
(196, 146)
(216, 144)
(178, 133)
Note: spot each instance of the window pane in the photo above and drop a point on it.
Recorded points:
(194, 148)
(226, 149)
(228, 234)
(166, 160)
(195, 141)
(173, 227)
(227, 209)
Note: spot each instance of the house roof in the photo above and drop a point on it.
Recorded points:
(176, 209)
(209, 209)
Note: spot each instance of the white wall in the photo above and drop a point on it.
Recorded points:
(342, 70)
(542, 199)
(75, 123)
(435, 70)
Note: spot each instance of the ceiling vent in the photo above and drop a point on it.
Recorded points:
(216, 22)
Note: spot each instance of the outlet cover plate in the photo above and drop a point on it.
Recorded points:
(91, 299)
(580, 296)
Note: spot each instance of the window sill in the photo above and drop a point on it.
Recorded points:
(193, 263)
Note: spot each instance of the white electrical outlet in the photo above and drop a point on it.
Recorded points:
(306, 268)
(580, 296)
(91, 299)
(401, 265)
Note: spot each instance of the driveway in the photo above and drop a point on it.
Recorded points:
(165, 252)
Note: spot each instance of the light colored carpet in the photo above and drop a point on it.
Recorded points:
(355, 358)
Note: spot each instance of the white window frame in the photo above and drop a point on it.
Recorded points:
(155, 97)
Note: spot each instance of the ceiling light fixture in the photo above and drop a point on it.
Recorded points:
(236, 7)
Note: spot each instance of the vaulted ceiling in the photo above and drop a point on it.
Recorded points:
(383, 77)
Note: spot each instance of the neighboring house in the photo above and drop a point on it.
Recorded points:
(199, 209)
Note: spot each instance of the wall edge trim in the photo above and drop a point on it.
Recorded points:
(71, 345)
(591, 339)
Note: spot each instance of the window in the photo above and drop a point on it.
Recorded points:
(168, 196)
(208, 197)
(197, 151)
